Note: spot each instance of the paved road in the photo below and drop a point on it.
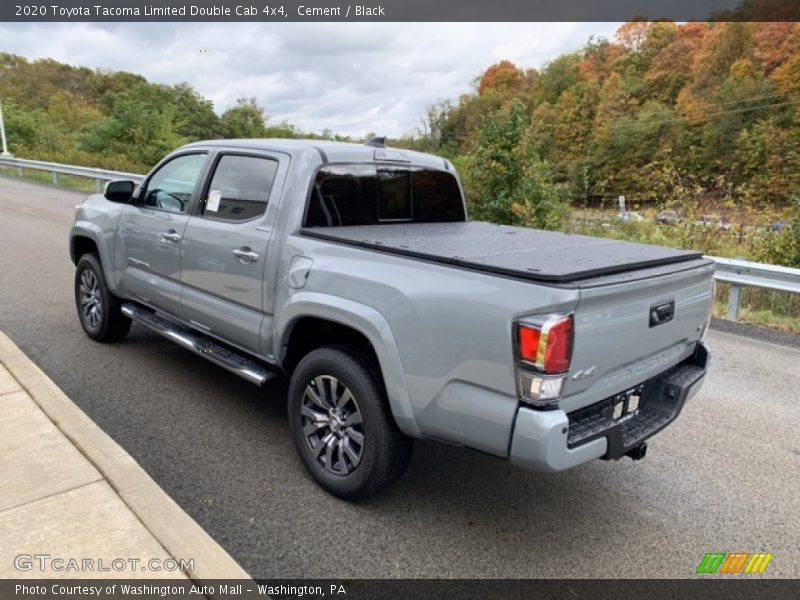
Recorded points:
(725, 477)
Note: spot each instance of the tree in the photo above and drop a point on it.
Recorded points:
(244, 120)
(502, 77)
(196, 119)
(536, 200)
(21, 127)
(493, 167)
(558, 76)
(138, 127)
(670, 69)
(507, 180)
(632, 34)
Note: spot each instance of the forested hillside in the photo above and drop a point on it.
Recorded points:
(116, 120)
(703, 117)
(662, 109)
(713, 106)
(699, 117)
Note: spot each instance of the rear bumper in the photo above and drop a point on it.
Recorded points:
(553, 440)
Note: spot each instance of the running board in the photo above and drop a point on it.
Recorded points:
(200, 344)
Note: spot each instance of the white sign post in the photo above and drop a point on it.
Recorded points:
(622, 203)
(3, 133)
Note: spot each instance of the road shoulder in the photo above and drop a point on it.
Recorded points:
(764, 334)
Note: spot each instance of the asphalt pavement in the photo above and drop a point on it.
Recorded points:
(725, 477)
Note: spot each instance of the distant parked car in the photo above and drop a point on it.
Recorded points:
(713, 221)
(776, 226)
(629, 216)
(668, 217)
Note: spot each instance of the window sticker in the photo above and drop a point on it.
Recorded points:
(212, 204)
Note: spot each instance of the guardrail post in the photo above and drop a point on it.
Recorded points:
(98, 185)
(55, 178)
(20, 173)
(734, 301)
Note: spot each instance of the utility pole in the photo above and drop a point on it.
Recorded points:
(3, 133)
(585, 186)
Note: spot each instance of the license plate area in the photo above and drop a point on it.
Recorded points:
(593, 421)
(625, 405)
(630, 417)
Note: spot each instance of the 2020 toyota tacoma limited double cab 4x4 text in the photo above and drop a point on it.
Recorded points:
(353, 269)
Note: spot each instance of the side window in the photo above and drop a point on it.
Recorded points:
(171, 187)
(240, 188)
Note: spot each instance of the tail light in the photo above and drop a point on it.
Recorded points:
(543, 352)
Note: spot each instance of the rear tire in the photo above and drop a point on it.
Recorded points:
(342, 426)
(99, 311)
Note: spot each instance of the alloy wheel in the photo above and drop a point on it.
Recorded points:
(90, 300)
(332, 425)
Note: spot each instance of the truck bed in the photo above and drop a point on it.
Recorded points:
(544, 256)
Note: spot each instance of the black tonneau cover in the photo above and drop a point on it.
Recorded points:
(546, 256)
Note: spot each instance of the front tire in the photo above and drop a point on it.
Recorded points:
(99, 311)
(341, 424)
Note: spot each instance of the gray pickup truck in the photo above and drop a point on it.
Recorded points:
(353, 270)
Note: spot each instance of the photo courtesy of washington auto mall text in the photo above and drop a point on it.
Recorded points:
(404, 299)
(188, 589)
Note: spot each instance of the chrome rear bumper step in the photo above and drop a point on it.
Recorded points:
(202, 345)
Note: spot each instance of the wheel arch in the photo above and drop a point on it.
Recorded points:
(311, 320)
(87, 237)
(81, 244)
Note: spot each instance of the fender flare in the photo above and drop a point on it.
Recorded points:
(367, 321)
(93, 232)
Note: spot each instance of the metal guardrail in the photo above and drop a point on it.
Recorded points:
(98, 175)
(743, 273)
(738, 273)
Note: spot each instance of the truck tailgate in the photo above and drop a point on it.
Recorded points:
(545, 256)
(619, 342)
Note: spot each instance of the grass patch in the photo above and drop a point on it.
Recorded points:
(761, 317)
(81, 184)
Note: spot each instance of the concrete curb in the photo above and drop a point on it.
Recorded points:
(177, 532)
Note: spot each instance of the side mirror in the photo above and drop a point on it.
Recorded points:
(119, 191)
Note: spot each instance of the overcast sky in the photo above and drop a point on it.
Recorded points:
(352, 78)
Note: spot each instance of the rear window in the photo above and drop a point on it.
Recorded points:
(368, 195)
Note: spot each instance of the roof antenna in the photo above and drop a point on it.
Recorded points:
(377, 142)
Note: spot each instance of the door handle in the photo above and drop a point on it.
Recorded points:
(245, 255)
(171, 236)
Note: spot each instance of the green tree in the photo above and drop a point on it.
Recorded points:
(196, 119)
(507, 180)
(493, 169)
(138, 127)
(536, 200)
(244, 120)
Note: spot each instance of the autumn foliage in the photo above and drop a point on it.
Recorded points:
(661, 106)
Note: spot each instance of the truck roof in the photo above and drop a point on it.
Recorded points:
(331, 151)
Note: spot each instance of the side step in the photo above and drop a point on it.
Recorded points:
(200, 344)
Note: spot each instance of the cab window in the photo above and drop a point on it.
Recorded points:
(171, 187)
(240, 188)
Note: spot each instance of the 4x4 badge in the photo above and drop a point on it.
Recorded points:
(584, 373)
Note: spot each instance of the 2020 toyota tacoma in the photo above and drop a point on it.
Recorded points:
(353, 270)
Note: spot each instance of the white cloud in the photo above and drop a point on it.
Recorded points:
(352, 78)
